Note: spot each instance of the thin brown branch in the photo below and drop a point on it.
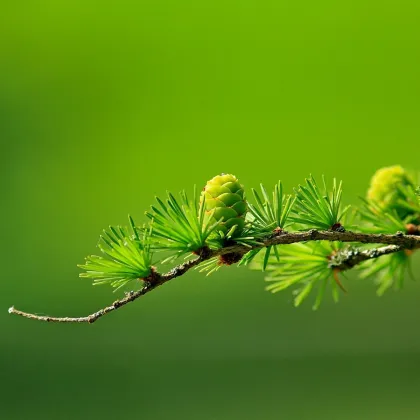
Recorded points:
(395, 243)
(152, 283)
(405, 241)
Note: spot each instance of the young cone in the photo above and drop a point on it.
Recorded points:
(225, 196)
(384, 188)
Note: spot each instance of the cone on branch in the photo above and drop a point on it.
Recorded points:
(386, 188)
(225, 196)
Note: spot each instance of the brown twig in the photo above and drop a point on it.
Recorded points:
(395, 243)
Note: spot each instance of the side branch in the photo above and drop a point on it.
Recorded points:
(346, 261)
(349, 258)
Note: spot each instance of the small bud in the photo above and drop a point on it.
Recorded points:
(412, 229)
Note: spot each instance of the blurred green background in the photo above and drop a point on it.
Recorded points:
(105, 104)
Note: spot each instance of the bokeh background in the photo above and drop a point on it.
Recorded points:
(103, 105)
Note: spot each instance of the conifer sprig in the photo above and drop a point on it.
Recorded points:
(127, 257)
(390, 271)
(268, 216)
(304, 266)
(318, 208)
(409, 199)
(377, 219)
(181, 226)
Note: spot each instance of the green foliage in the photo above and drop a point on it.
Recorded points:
(181, 227)
(271, 214)
(376, 219)
(387, 272)
(268, 216)
(409, 200)
(304, 266)
(316, 208)
(248, 237)
(210, 266)
(127, 257)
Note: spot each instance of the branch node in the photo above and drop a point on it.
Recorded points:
(338, 227)
(204, 253)
(231, 258)
(278, 231)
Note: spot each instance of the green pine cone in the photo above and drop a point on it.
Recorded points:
(226, 195)
(384, 187)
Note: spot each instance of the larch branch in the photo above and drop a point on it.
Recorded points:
(346, 261)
